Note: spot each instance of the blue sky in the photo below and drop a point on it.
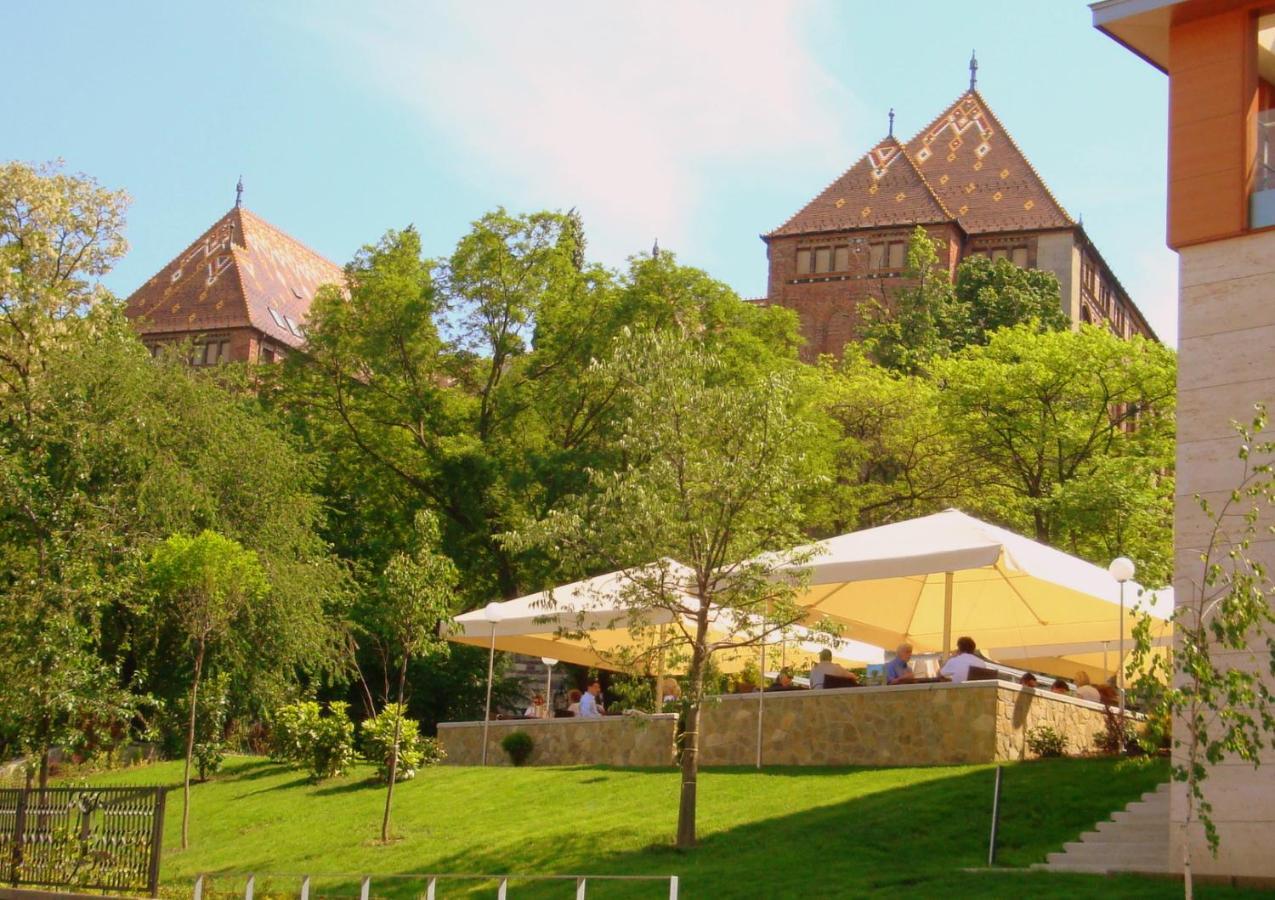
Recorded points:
(702, 123)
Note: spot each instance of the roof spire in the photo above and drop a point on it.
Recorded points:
(655, 249)
(891, 122)
(239, 193)
(973, 70)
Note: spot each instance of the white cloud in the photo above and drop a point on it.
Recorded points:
(623, 110)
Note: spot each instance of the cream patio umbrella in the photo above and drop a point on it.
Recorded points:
(927, 579)
(587, 623)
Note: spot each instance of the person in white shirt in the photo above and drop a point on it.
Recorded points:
(538, 709)
(590, 708)
(1084, 689)
(957, 669)
(826, 667)
(573, 702)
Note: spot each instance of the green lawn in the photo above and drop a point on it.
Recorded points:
(778, 833)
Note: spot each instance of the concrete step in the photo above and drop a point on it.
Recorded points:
(1135, 839)
(1137, 830)
(1109, 852)
(1100, 869)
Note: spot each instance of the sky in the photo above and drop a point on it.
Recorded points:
(703, 123)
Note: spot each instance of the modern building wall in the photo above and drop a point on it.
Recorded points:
(1056, 252)
(1226, 336)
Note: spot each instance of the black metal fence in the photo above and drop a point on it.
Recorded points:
(95, 838)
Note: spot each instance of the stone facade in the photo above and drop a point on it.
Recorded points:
(905, 725)
(1226, 320)
(607, 741)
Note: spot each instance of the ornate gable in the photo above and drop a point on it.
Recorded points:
(978, 172)
(883, 188)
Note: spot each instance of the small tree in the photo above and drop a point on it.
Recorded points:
(210, 581)
(415, 599)
(1216, 707)
(714, 466)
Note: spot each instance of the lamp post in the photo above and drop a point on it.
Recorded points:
(492, 614)
(549, 662)
(1121, 570)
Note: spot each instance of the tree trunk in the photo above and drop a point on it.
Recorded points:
(398, 731)
(690, 754)
(190, 745)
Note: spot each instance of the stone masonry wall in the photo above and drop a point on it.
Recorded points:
(1019, 710)
(605, 741)
(904, 725)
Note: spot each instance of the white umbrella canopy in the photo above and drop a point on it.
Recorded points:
(588, 623)
(929, 579)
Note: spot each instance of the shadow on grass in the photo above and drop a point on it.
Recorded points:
(351, 787)
(918, 837)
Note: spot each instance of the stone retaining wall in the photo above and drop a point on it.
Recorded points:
(604, 741)
(903, 725)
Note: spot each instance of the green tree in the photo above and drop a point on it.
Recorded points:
(715, 463)
(1214, 685)
(905, 328)
(993, 294)
(208, 584)
(892, 451)
(1073, 436)
(417, 597)
(59, 234)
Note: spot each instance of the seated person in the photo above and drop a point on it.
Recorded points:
(590, 705)
(957, 669)
(573, 707)
(899, 669)
(670, 690)
(783, 682)
(1060, 686)
(1085, 690)
(538, 708)
(1029, 680)
(1109, 693)
(826, 666)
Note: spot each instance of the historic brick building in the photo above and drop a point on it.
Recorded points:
(965, 180)
(240, 292)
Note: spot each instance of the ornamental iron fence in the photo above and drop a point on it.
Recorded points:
(83, 837)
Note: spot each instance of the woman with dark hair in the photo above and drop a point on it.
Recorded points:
(957, 669)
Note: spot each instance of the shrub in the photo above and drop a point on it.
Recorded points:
(323, 744)
(1045, 741)
(213, 706)
(518, 744)
(1109, 739)
(377, 744)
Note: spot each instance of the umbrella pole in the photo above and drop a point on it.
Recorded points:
(761, 694)
(659, 673)
(1120, 671)
(549, 691)
(491, 663)
(948, 579)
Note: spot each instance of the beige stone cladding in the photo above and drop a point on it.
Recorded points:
(1226, 364)
(607, 741)
(1056, 252)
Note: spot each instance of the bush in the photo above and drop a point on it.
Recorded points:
(323, 744)
(518, 744)
(1045, 742)
(1109, 739)
(414, 751)
(212, 708)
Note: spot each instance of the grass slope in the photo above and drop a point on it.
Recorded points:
(776, 833)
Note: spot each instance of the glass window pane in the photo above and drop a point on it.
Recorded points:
(896, 256)
(841, 259)
(1020, 257)
(803, 262)
(876, 255)
(823, 259)
(999, 254)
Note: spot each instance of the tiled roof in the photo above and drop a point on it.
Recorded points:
(240, 272)
(881, 189)
(962, 167)
(976, 169)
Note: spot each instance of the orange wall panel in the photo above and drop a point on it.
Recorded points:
(1209, 100)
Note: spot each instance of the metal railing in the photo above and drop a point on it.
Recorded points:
(82, 838)
(204, 883)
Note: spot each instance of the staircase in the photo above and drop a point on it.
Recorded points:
(1135, 839)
